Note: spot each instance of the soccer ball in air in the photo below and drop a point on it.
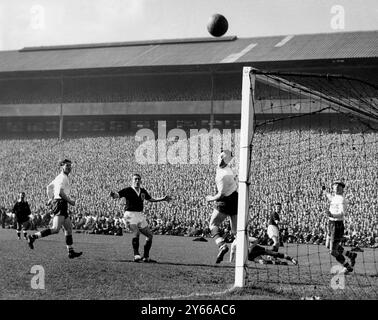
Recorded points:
(217, 25)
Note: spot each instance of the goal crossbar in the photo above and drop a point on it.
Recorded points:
(334, 102)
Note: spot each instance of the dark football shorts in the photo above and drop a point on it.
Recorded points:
(59, 207)
(255, 252)
(24, 224)
(336, 230)
(228, 205)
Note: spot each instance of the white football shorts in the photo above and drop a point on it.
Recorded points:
(273, 231)
(135, 217)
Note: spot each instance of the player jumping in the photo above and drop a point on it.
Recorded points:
(226, 202)
(335, 230)
(58, 192)
(134, 217)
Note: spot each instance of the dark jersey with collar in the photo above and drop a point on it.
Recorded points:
(134, 202)
(22, 211)
(272, 219)
(255, 251)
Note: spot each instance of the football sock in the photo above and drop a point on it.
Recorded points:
(135, 243)
(340, 258)
(69, 240)
(147, 248)
(287, 257)
(43, 233)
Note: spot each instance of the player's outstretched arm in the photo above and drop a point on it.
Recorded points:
(165, 198)
(214, 198)
(114, 195)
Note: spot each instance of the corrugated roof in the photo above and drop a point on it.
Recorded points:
(199, 51)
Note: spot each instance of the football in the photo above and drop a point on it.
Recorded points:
(217, 25)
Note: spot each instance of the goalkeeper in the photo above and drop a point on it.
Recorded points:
(255, 251)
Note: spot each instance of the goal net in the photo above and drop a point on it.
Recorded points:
(299, 134)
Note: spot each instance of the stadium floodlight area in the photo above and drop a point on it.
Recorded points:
(300, 132)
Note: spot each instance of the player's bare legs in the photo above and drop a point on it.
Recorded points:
(21, 227)
(58, 223)
(67, 226)
(279, 255)
(337, 251)
(276, 243)
(135, 241)
(146, 254)
(215, 221)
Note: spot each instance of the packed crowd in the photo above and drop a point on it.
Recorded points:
(287, 166)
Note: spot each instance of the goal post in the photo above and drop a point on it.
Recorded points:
(246, 133)
(300, 133)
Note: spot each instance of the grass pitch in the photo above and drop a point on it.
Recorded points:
(185, 270)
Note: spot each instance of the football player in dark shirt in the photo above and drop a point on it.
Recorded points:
(256, 252)
(134, 217)
(273, 231)
(21, 210)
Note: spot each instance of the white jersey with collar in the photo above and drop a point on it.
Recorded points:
(337, 207)
(225, 181)
(60, 182)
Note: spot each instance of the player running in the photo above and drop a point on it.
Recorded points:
(22, 212)
(134, 217)
(335, 230)
(58, 193)
(226, 202)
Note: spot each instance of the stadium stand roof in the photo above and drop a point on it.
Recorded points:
(197, 51)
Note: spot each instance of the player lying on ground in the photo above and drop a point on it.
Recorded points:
(335, 230)
(255, 252)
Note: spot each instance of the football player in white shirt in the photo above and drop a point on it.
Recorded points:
(58, 193)
(226, 202)
(335, 230)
